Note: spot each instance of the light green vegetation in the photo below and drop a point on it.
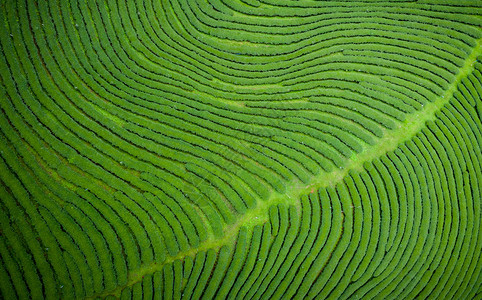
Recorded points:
(240, 149)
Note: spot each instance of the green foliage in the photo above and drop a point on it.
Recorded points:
(267, 149)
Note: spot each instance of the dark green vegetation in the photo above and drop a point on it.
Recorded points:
(242, 149)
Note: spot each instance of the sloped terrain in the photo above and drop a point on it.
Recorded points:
(241, 149)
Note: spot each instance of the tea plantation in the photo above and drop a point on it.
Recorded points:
(240, 149)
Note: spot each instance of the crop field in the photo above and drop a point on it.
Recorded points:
(240, 149)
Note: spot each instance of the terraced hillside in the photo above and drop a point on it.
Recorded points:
(240, 149)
